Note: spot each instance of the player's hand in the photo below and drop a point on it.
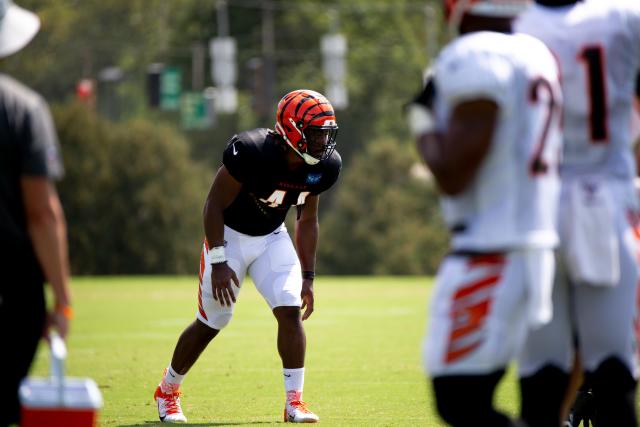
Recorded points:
(57, 321)
(221, 278)
(307, 298)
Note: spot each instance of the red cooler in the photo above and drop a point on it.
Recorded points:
(59, 401)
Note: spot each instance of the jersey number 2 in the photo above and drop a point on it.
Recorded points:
(538, 165)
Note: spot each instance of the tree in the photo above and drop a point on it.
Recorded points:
(132, 195)
(384, 219)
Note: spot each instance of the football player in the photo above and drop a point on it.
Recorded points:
(264, 173)
(488, 127)
(597, 45)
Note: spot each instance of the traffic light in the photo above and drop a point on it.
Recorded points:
(154, 73)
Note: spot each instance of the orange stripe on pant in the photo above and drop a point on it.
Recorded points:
(468, 315)
(200, 276)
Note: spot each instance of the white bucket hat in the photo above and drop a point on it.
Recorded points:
(17, 27)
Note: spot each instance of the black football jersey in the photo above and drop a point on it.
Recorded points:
(269, 188)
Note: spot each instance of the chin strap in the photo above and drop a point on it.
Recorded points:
(310, 160)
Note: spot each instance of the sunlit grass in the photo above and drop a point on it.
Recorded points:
(363, 356)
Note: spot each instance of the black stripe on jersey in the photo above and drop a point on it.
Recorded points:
(638, 85)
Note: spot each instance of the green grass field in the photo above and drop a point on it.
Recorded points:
(363, 354)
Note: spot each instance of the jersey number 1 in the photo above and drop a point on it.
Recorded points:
(593, 58)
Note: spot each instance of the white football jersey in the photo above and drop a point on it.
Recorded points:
(512, 200)
(597, 43)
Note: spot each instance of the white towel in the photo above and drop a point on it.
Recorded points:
(540, 268)
(592, 246)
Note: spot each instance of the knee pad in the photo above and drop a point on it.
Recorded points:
(219, 320)
(467, 400)
(614, 391)
(542, 395)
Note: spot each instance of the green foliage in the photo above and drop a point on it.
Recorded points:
(132, 196)
(388, 43)
(384, 220)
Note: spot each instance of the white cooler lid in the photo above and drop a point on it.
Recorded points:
(77, 393)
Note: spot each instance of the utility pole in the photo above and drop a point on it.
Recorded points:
(268, 57)
(223, 69)
(334, 51)
(197, 66)
(432, 33)
(222, 18)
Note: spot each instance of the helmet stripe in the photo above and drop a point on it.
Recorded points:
(323, 114)
(286, 104)
(319, 105)
(302, 102)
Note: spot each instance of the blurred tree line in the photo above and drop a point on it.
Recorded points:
(136, 182)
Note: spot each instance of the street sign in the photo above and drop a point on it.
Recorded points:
(170, 89)
(195, 111)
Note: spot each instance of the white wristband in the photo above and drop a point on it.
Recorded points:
(420, 120)
(217, 255)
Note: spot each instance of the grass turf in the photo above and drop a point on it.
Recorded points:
(363, 353)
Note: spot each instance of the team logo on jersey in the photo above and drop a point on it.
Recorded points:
(314, 178)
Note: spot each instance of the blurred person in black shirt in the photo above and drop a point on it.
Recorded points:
(33, 242)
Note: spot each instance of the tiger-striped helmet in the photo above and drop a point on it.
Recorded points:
(306, 121)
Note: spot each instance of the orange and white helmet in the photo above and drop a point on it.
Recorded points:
(306, 121)
(455, 9)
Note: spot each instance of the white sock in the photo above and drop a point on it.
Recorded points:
(171, 380)
(293, 383)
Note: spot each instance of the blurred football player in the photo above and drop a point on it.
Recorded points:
(597, 45)
(488, 127)
(264, 173)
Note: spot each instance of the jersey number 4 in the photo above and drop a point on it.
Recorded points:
(277, 198)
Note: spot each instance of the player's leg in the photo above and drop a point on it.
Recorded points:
(466, 400)
(546, 360)
(211, 318)
(477, 326)
(21, 305)
(192, 342)
(608, 342)
(292, 342)
(278, 277)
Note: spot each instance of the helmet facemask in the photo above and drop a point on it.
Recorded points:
(319, 142)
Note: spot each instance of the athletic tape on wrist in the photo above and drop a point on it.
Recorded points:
(217, 255)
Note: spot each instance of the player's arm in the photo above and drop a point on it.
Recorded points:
(48, 232)
(223, 191)
(455, 156)
(307, 229)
